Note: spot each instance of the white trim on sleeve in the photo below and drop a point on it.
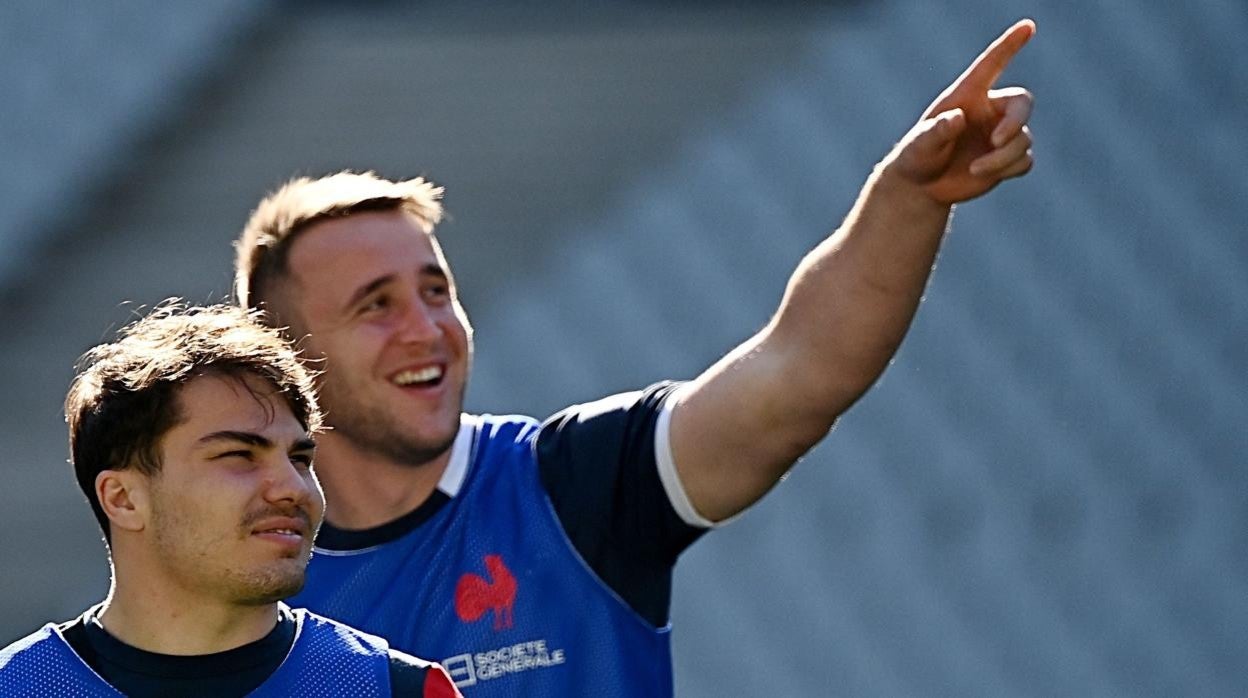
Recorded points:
(667, 469)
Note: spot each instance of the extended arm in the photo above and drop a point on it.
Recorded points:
(741, 424)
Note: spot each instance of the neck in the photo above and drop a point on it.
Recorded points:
(364, 490)
(156, 620)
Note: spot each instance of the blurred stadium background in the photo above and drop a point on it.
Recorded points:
(1045, 495)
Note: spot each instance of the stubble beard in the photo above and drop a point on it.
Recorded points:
(371, 428)
(374, 430)
(262, 587)
(191, 562)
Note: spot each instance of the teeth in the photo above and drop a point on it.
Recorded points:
(284, 531)
(423, 375)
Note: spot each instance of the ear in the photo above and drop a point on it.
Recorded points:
(123, 496)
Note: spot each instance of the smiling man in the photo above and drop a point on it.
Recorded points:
(536, 558)
(191, 436)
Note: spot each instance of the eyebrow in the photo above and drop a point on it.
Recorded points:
(430, 269)
(253, 439)
(368, 288)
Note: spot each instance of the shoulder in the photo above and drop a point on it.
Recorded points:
(413, 676)
(495, 430)
(613, 418)
(318, 627)
(24, 647)
(42, 661)
(650, 397)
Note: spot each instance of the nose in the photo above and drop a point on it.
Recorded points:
(287, 483)
(419, 323)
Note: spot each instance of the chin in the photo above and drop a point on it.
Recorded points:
(419, 441)
(427, 444)
(439, 435)
(448, 424)
(270, 586)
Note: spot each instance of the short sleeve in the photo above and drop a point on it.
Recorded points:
(599, 467)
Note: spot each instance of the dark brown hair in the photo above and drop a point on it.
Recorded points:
(124, 398)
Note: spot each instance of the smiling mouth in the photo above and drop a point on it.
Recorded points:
(283, 532)
(428, 377)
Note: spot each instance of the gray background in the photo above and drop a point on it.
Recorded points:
(1043, 496)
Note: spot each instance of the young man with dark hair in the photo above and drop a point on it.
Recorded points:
(536, 559)
(191, 437)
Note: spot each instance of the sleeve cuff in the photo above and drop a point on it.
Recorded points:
(672, 485)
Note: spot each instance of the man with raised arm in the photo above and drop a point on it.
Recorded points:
(191, 437)
(536, 558)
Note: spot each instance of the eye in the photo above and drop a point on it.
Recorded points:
(437, 292)
(246, 455)
(241, 459)
(303, 460)
(377, 303)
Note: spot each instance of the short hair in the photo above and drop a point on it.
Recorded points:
(263, 248)
(124, 398)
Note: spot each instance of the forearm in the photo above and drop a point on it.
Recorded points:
(745, 420)
(847, 307)
(850, 301)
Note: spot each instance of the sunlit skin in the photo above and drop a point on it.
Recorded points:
(372, 295)
(204, 548)
(740, 425)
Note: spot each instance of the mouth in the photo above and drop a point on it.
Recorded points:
(424, 377)
(284, 531)
(290, 532)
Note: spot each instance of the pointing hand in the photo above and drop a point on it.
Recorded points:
(972, 136)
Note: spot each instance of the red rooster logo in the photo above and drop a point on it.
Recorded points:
(474, 595)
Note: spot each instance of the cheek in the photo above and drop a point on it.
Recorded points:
(179, 517)
(358, 345)
(345, 362)
(457, 328)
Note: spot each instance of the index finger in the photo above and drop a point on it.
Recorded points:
(989, 65)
